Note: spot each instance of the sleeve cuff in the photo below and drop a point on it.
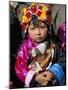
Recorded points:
(58, 73)
(29, 77)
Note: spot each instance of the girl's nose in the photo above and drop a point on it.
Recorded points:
(37, 30)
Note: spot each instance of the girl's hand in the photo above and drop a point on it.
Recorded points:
(44, 78)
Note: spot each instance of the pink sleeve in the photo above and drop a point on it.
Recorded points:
(21, 66)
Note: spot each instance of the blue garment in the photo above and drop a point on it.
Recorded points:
(58, 72)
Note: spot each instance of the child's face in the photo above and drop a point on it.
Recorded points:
(39, 33)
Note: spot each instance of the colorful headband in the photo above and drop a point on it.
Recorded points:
(41, 11)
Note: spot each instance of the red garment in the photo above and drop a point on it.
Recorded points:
(21, 66)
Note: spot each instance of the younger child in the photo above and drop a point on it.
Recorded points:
(39, 62)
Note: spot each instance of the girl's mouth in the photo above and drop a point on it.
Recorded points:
(38, 38)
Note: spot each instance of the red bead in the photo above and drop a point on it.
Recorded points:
(33, 9)
(39, 12)
(24, 25)
(28, 14)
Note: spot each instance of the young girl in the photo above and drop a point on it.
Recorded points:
(39, 62)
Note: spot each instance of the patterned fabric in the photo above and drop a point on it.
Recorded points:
(23, 57)
(21, 66)
(42, 11)
(58, 72)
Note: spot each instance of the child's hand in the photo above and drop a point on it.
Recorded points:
(44, 78)
(47, 74)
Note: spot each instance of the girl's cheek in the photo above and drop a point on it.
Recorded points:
(31, 33)
(43, 32)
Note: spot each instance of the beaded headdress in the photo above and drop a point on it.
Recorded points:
(42, 11)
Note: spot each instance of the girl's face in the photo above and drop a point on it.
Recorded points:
(39, 33)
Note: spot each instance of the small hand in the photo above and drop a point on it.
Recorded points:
(44, 78)
(47, 74)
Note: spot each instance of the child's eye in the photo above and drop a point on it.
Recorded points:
(32, 28)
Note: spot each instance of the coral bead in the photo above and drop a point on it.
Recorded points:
(25, 19)
(39, 12)
(33, 9)
(24, 25)
(28, 14)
